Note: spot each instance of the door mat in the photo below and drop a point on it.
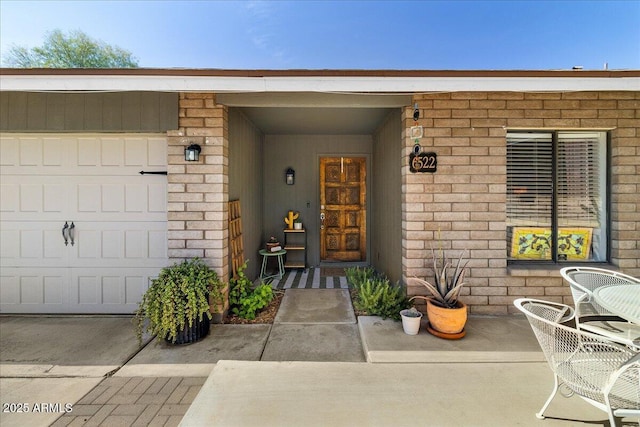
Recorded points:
(310, 278)
(331, 271)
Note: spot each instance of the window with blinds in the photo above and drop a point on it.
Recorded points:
(556, 196)
(529, 179)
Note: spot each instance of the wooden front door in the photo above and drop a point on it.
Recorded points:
(343, 210)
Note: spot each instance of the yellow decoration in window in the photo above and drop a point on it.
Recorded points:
(535, 243)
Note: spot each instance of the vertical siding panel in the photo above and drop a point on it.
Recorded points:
(131, 111)
(17, 114)
(150, 111)
(112, 112)
(74, 112)
(386, 198)
(36, 111)
(93, 104)
(168, 111)
(245, 183)
(4, 112)
(55, 111)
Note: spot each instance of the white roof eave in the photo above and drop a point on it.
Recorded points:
(328, 84)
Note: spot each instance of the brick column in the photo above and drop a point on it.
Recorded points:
(461, 206)
(198, 192)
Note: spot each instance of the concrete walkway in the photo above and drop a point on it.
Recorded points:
(366, 394)
(316, 365)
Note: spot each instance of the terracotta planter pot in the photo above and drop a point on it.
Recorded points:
(447, 320)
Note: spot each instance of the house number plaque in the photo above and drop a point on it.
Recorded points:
(423, 162)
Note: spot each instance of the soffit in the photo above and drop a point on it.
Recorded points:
(311, 113)
(316, 121)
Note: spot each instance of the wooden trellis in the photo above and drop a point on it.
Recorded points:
(235, 236)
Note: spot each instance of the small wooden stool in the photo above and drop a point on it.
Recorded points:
(265, 256)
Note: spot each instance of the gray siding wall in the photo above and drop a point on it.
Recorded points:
(245, 183)
(88, 112)
(302, 153)
(387, 197)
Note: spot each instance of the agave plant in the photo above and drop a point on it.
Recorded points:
(446, 289)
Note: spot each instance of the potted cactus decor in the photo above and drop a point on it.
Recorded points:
(176, 304)
(291, 218)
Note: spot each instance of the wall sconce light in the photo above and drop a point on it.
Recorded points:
(192, 153)
(290, 176)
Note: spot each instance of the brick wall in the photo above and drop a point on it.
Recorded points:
(198, 191)
(464, 201)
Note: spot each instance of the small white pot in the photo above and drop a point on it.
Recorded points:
(297, 226)
(410, 325)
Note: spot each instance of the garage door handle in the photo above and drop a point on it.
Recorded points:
(65, 233)
(72, 233)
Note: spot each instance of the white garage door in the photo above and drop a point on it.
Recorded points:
(119, 218)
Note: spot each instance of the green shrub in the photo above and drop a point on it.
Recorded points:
(378, 297)
(244, 300)
(176, 298)
(357, 276)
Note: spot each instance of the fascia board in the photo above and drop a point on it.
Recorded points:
(448, 84)
(338, 84)
(130, 83)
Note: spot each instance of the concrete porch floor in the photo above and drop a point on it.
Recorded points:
(299, 371)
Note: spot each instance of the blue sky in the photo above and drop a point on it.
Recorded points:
(344, 34)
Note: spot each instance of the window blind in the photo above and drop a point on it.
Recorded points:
(529, 179)
(579, 192)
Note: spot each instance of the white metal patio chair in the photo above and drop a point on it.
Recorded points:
(590, 315)
(602, 372)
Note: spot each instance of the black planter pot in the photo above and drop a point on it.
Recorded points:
(196, 332)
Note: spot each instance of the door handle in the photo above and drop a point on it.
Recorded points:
(65, 233)
(72, 233)
(322, 221)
